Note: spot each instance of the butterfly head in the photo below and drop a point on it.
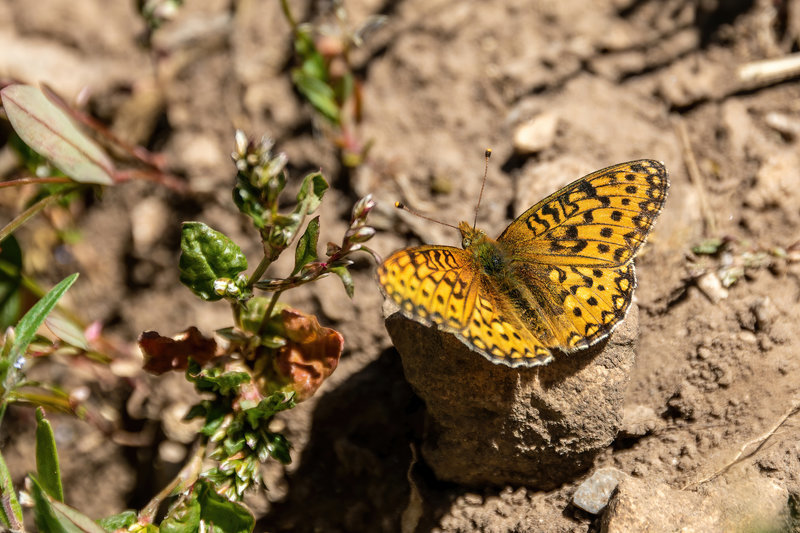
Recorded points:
(469, 235)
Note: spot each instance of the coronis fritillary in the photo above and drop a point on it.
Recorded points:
(558, 279)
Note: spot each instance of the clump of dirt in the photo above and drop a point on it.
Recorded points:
(716, 366)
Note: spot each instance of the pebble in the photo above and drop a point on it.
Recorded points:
(593, 494)
(536, 134)
(712, 287)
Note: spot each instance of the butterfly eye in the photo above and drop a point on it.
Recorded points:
(465, 242)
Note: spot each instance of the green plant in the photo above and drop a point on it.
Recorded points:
(275, 356)
(63, 152)
(272, 357)
(325, 76)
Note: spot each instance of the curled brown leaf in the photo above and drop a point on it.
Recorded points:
(162, 354)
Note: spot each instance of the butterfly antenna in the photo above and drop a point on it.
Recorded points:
(487, 154)
(404, 207)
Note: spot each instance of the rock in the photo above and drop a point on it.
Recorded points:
(641, 505)
(491, 424)
(593, 494)
(710, 285)
(536, 134)
(749, 502)
(783, 123)
(764, 312)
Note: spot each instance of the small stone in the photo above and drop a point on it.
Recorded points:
(764, 311)
(171, 452)
(536, 134)
(703, 352)
(593, 494)
(712, 287)
(785, 124)
(491, 424)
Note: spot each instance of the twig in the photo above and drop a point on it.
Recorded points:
(765, 72)
(185, 479)
(760, 440)
(696, 178)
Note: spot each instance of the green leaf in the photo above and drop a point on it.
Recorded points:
(312, 62)
(306, 250)
(215, 379)
(10, 281)
(225, 515)
(184, 517)
(251, 315)
(67, 330)
(118, 521)
(207, 255)
(47, 469)
(319, 94)
(344, 88)
(247, 198)
(50, 131)
(278, 448)
(346, 278)
(708, 246)
(261, 414)
(72, 517)
(311, 192)
(29, 323)
(9, 496)
(55, 517)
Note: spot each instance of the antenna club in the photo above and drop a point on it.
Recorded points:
(400, 205)
(488, 153)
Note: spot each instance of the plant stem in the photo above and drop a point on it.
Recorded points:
(185, 479)
(288, 14)
(37, 181)
(259, 271)
(25, 215)
(270, 307)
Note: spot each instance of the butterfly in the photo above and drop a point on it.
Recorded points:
(559, 278)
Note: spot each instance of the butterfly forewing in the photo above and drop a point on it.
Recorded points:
(599, 220)
(440, 285)
(430, 283)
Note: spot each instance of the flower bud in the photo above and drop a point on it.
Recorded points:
(363, 207)
(240, 142)
(362, 234)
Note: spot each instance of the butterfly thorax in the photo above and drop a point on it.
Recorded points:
(489, 256)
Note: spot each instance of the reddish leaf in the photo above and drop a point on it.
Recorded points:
(311, 353)
(162, 354)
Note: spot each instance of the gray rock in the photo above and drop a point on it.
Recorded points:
(593, 494)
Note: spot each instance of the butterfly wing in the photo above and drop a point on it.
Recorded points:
(441, 285)
(600, 220)
(572, 252)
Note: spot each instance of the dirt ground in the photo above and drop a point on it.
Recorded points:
(717, 363)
